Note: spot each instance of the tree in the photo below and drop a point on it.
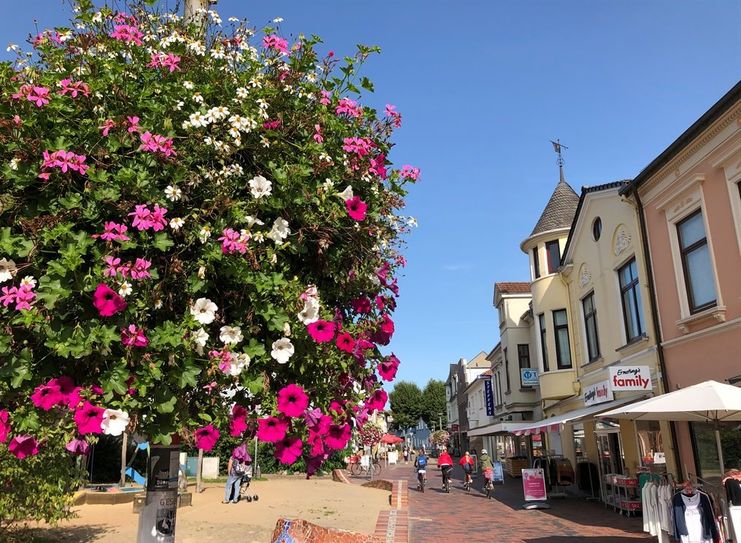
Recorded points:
(406, 404)
(177, 255)
(434, 404)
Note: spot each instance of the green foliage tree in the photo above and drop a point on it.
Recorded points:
(434, 409)
(406, 404)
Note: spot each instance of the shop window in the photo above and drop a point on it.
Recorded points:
(553, 252)
(696, 262)
(590, 327)
(650, 443)
(630, 293)
(523, 358)
(543, 345)
(536, 262)
(561, 333)
(706, 449)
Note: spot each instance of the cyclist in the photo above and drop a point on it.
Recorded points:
(487, 467)
(467, 462)
(420, 466)
(446, 466)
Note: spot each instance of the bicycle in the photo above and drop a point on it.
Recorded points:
(467, 482)
(446, 470)
(489, 483)
(357, 468)
(421, 479)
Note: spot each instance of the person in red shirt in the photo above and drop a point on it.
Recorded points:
(445, 462)
(467, 462)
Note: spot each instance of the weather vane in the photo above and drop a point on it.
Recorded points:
(557, 146)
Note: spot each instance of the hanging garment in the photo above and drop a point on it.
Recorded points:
(733, 491)
(699, 523)
(650, 505)
(665, 508)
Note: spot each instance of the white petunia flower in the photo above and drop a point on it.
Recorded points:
(230, 335)
(173, 193)
(7, 270)
(238, 363)
(279, 231)
(204, 310)
(204, 234)
(199, 337)
(346, 194)
(14, 164)
(125, 289)
(310, 312)
(114, 422)
(259, 186)
(251, 221)
(327, 185)
(176, 223)
(282, 350)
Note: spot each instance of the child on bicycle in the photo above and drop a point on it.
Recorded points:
(446, 466)
(420, 466)
(466, 462)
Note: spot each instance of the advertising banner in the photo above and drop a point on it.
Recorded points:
(489, 396)
(498, 472)
(624, 378)
(529, 377)
(533, 485)
(598, 393)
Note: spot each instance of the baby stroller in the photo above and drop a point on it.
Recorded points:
(244, 486)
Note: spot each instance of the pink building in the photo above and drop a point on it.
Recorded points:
(690, 198)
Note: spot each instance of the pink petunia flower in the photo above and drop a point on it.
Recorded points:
(70, 394)
(292, 401)
(321, 331)
(388, 367)
(288, 450)
(4, 425)
(132, 336)
(271, 429)
(89, 419)
(239, 421)
(377, 401)
(356, 208)
(337, 436)
(206, 437)
(47, 396)
(361, 305)
(107, 301)
(78, 446)
(345, 342)
(276, 43)
(23, 446)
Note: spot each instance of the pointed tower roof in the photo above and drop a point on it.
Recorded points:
(559, 213)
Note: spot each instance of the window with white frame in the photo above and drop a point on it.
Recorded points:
(630, 295)
(697, 265)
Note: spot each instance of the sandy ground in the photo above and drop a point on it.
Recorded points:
(322, 501)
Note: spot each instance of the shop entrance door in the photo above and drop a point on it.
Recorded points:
(610, 451)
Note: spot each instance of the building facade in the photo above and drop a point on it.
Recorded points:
(690, 201)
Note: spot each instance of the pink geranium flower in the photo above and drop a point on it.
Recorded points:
(145, 218)
(127, 33)
(162, 60)
(378, 166)
(348, 107)
(321, 331)
(275, 42)
(132, 336)
(132, 123)
(388, 367)
(345, 342)
(206, 437)
(73, 88)
(113, 232)
(107, 126)
(47, 396)
(155, 143)
(358, 146)
(38, 96)
(77, 446)
(23, 446)
(317, 137)
(271, 429)
(89, 419)
(409, 172)
(288, 450)
(140, 269)
(394, 115)
(326, 98)
(233, 242)
(4, 425)
(356, 208)
(292, 401)
(337, 436)
(107, 301)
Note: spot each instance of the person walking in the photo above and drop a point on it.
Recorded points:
(236, 468)
(406, 454)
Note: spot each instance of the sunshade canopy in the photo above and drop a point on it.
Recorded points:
(391, 439)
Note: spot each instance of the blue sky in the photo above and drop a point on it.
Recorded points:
(483, 85)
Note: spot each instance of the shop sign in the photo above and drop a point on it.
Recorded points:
(529, 377)
(454, 427)
(533, 485)
(489, 397)
(598, 393)
(630, 378)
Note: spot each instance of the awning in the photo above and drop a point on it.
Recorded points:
(553, 424)
(498, 428)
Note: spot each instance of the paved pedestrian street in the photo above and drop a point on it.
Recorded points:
(468, 516)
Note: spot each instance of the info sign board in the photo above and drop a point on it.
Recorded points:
(498, 472)
(529, 377)
(598, 393)
(624, 378)
(533, 485)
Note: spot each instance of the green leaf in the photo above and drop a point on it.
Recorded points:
(188, 376)
(162, 242)
(367, 84)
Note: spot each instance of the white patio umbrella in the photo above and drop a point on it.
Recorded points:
(710, 401)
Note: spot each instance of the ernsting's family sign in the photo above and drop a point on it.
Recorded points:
(630, 378)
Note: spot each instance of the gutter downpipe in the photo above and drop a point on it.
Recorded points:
(655, 319)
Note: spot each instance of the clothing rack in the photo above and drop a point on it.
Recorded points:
(718, 501)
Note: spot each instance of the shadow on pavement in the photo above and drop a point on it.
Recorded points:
(72, 534)
(585, 539)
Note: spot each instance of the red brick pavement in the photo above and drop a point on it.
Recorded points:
(468, 516)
